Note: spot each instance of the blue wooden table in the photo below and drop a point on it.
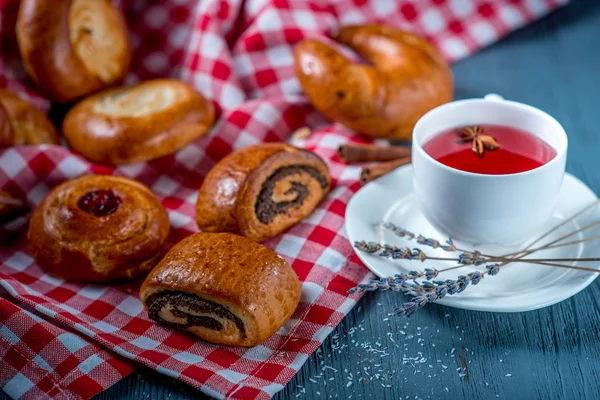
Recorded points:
(446, 353)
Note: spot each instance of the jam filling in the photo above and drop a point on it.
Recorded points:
(266, 209)
(99, 203)
(194, 303)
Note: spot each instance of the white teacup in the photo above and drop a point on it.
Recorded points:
(487, 209)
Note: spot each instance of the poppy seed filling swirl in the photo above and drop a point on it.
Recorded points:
(178, 300)
(266, 208)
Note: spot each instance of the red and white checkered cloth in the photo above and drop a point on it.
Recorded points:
(39, 359)
(53, 334)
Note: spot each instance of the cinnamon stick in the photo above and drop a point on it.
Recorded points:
(375, 170)
(371, 152)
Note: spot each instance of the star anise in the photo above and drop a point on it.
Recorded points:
(481, 141)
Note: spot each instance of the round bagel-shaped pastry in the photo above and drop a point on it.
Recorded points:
(22, 123)
(261, 190)
(407, 78)
(71, 48)
(224, 288)
(138, 123)
(98, 228)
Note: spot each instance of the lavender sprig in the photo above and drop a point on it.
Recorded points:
(436, 244)
(449, 246)
(397, 230)
(471, 258)
(422, 292)
(396, 253)
(389, 251)
(399, 283)
(429, 292)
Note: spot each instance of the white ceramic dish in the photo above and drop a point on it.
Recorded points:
(518, 286)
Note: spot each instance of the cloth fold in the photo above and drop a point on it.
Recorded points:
(238, 54)
(39, 359)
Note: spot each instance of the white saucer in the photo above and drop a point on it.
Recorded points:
(517, 287)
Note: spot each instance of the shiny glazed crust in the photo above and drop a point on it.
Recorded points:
(216, 204)
(7, 133)
(76, 245)
(11, 207)
(138, 123)
(407, 78)
(72, 48)
(22, 123)
(243, 277)
(228, 200)
(284, 190)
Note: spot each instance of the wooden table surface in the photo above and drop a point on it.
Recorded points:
(444, 353)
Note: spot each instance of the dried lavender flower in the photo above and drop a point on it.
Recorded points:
(389, 251)
(369, 247)
(492, 269)
(450, 246)
(399, 231)
(471, 258)
(422, 292)
(397, 283)
(396, 253)
(429, 292)
(432, 290)
(431, 273)
(428, 241)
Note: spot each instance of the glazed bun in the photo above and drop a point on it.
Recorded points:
(98, 228)
(407, 78)
(261, 190)
(224, 288)
(72, 48)
(22, 123)
(138, 123)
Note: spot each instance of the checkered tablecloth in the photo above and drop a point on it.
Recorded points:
(68, 340)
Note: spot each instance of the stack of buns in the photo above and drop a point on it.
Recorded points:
(79, 51)
(221, 285)
(100, 228)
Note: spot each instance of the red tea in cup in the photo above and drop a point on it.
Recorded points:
(489, 149)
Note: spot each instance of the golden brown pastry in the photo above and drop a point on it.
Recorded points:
(407, 78)
(138, 123)
(72, 48)
(261, 190)
(7, 133)
(98, 228)
(222, 287)
(11, 207)
(23, 123)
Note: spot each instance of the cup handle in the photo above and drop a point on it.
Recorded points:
(493, 97)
